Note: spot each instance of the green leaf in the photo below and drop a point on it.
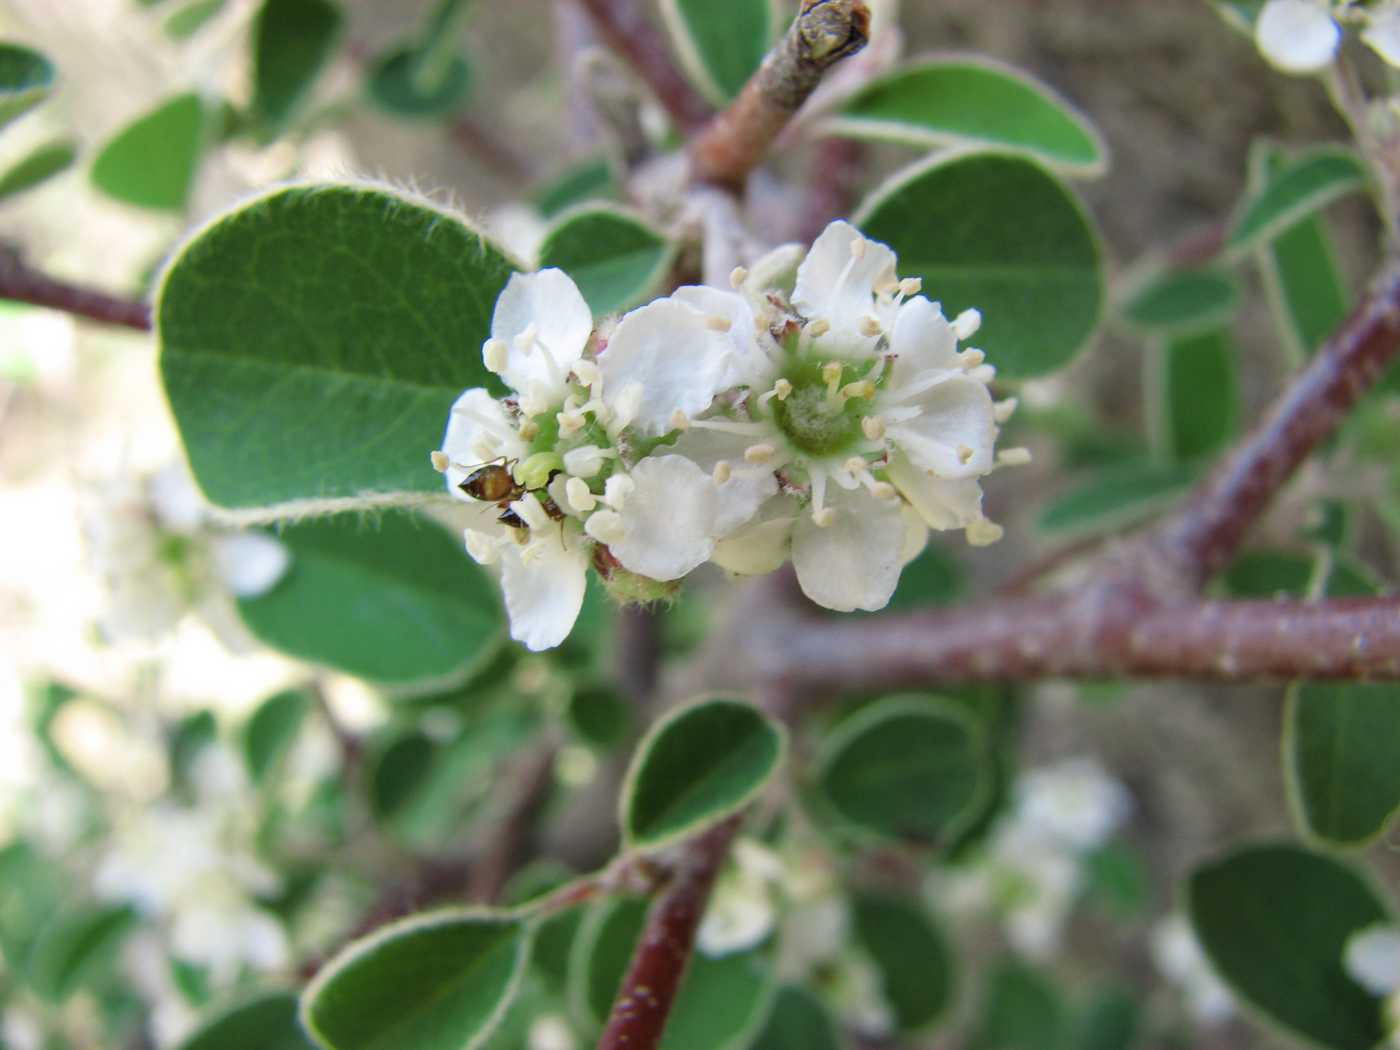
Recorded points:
(798, 1021)
(314, 340)
(997, 232)
(1240, 13)
(1021, 1010)
(427, 77)
(721, 43)
(906, 769)
(1198, 394)
(967, 100)
(271, 730)
(400, 772)
(1116, 879)
(911, 955)
(1111, 1020)
(293, 40)
(26, 78)
(1270, 574)
(1301, 187)
(935, 577)
(590, 180)
(1114, 499)
(190, 19)
(75, 947)
(38, 167)
(696, 767)
(438, 981)
(1182, 301)
(395, 600)
(267, 1022)
(600, 954)
(152, 162)
(598, 715)
(1302, 274)
(1274, 921)
(614, 257)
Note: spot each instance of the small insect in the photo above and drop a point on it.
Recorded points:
(495, 483)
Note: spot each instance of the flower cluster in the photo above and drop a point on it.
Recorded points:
(1302, 36)
(831, 420)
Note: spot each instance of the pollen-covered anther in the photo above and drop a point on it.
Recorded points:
(605, 526)
(571, 423)
(983, 533)
(587, 372)
(440, 461)
(679, 420)
(971, 358)
(911, 286)
(580, 498)
(966, 324)
(884, 490)
(760, 453)
(824, 517)
(873, 427)
(1003, 410)
(722, 472)
(494, 354)
(781, 389)
(964, 454)
(1014, 457)
(738, 276)
(715, 323)
(858, 248)
(855, 465)
(863, 388)
(617, 489)
(529, 430)
(818, 328)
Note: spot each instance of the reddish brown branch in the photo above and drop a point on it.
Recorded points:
(644, 1002)
(624, 30)
(19, 283)
(737, 140)
(513, 832)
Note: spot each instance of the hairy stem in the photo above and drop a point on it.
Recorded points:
(737, 140)
(22, 284)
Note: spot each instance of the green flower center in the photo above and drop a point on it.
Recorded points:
(819, 417)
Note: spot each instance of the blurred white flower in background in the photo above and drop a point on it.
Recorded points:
(1179, 958)
(1372, 960)
(742, 909)
(1303, 36)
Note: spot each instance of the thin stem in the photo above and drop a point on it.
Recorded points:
(482, 145)
(634, 38)
(22, 284)
(737, 140)
(643, 1005)
(514, 830)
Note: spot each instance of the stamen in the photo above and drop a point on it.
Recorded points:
(964, 454)
(730, 426)
(831, 375)
(818, 328)
(722, 472)
(760, 453)
(863, 389)
(529, 430)
(738, 276)
(570, 423)
(617, 489)
(970, 359)
(873, 427)
(440, 461)
(587, 372)
(605, 526)
(1002, 410)
(983, 533)
(870, 326)
(495, 354)
(1014, 457)
(679, 420)
(586, 460)
(911, 286)
(824, 518)
(627, 404)
(966, 324)
(781, 389)
(580, 498)
(855, 465)
(715, 323)
(858, 248)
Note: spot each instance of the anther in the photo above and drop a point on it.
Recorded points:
(529, 430)
(738, 276)
(1002, 410)
(966, 324)
(722, 472)
(570, 423)
(679, 420)
(858, 248)
(819, 328)
(862, 388)
(870, 326)
(911, 286)
(855, 465)
(873, 427)
(824, 517)
(495, 354)
(964, 454)
(715, 323)
(587, 372)
(440, 460)
(983, 533)
(970, 359)
(580, 498)
(1014, 457)
(781, 389)
(760, 453)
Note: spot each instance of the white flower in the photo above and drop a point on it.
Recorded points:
(539, 329)
(1298, 36)
(1178, 955)
(1382, 35)
(741, 913)
(551, 1033)
(1076, 802)
(1372, 959)
(838, 284)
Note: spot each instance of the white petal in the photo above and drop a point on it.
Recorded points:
(954, 433)
(826, 289)
(175, 499)
(915, 534)
(249, 563)
(761, 546)
(552, 303)
(748, 365)
(942, 503)
(668, 520)
(478, 431)
(545, 594)
(1372, 959)
(1297, 36)
(854, 562)
(922, 340)
(748, 486)
(1383, 35)
(679, 361)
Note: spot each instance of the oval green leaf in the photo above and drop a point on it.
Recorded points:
(912, 956)
(997, 232)
(152, 162)
(1274, 921)
(50, 159)
(314, 340)
(271, 730)
(721, 43)
(1021, 1010)
(1179, 302)
(590, 180)
(907, 769)
(1198, 396)
(398, 84)
(696, 767)
(268, 1022)
(26, 78)
(395, 600)
(1299, 188)
(614, 257)
(973, 101)
(438, 981)
(1115, 498)
(292, 42)
(75, 947)
(798, 1021)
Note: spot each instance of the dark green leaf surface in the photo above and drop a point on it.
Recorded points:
(1111, 1020)
(1021, 1010)
(399, 84)
(440, 981)
(292, 42)
(26, 78)
(400, 772)
(1303, 186)
(696, 767)
(1183, 301)
(271, 731)
(906, 768)
(75, 946)
(999, 233)
(38, 167)
(798, 1021)
(313, 342)
(1115, 498)
(1275, 921)
(152, 162)
(720, 42)
(613, 256)
(268, 1022)
(394, 600)
(915, 967)
(1270, 574)
(957, 101)
(1199, 390)
(935, 577)
(591, 180)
